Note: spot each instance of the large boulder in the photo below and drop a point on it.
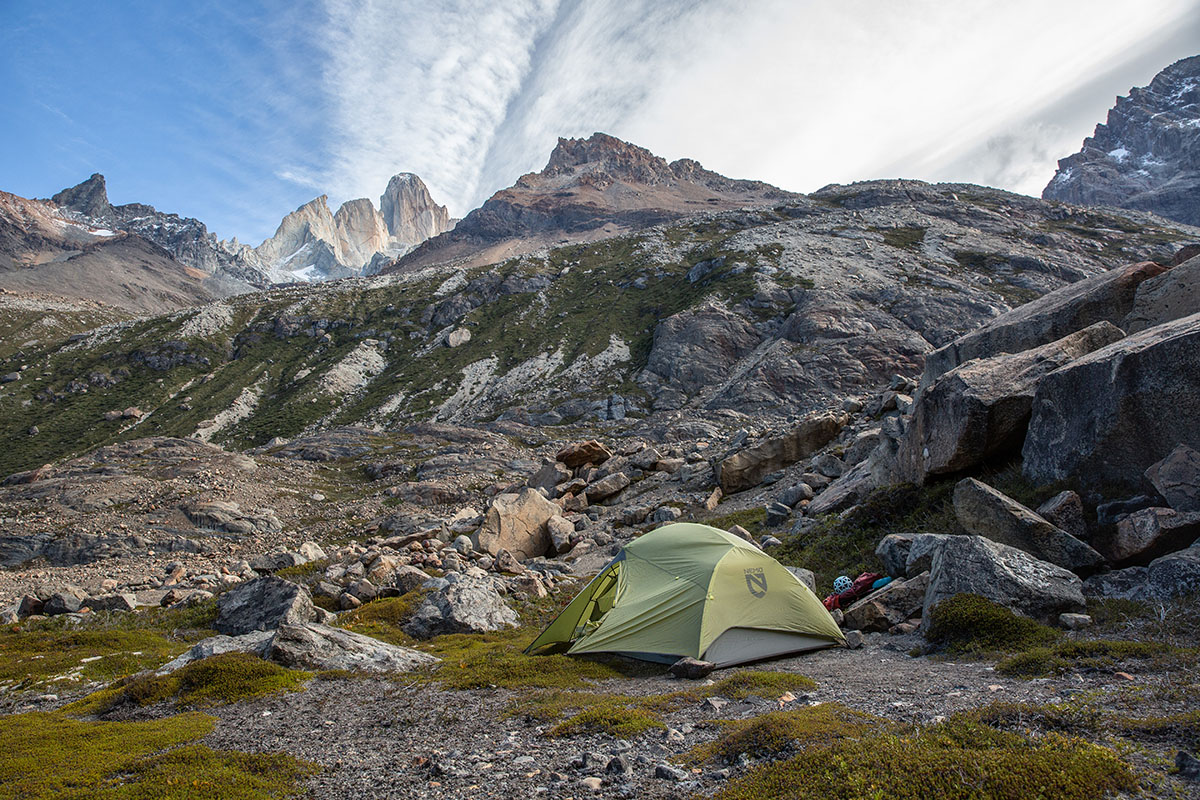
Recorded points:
(1106, 297)
(747, 468)
(606, 487)
(517, 523)
(908, 554)
(320, 647)
(1166, 578)
(1065, 510)
(262, 604)
(979, 410)
(852, 487)
(1003, 574)
(219, 515)
(983, 511)
(897, 602)
(1169, 296)
(465, 606)
(1148, 534)
(1106, 417)
(580, 453)
(1177, 478)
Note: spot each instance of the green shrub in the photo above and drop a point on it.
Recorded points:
(217, 680)
(1088, 654)
(778, 732)
(613, 717)
(972, 625)
(51, 757)
(957, 759)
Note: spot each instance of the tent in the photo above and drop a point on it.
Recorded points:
(692, 590)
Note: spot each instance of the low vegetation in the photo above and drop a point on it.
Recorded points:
(217, 680)
(777, 733)
(955, 759)
(45, 756)
(1092, 655)
(967, 624)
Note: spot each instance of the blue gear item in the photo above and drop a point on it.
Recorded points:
(842, 584)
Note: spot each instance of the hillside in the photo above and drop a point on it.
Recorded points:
(772, 312)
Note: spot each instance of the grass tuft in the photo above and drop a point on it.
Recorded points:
(967, 624)
(780, 732)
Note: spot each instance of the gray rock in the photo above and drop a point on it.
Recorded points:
(853, 487)
(983, 511)
(62, 603)
(112, 602)
(665, 514)
(1114, 511)
(231, 518)
(606, 487)
(854, 639)
(273, 562)
(1065, 510)
(262, 604)
(408, 578)
(1142, 403)
(1003, 574)
(892, 551)
(1166, 578)
(777, 514)
(1106, 297)
(829, 465)
(803, 575)
(254, 642)
(795, 493)
(1166, 297)
(562, 533)
(897, 602)
(1074, 622)
(667, 772)
(319, 647)
(551, 474)
(468, 606)
(1187, 765)
(1148, 534)
(978, 411)
(747, 468)
(1177, 477)
(692, 669)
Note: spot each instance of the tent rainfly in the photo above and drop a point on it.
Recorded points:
(692, 590)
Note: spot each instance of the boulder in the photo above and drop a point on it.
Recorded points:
(62, 603)
(280, 559)
(1165, 297)
(319, 647)
(1003, 574)
(124, 601)
(262, 604)
(408, 578)
(983, 511)
(580, 453)
(606, 487)
(1177, 477)
(1166, 578)
(29, 605)
(805, 576)
(794, 494)
(908, 554)
(517, 523)
(1065, 510)
(466, 606)
(1106, 297)
(851, 488)
(897, 602)
(561, 531)
(551, 474)
(1141, 404)
(254, 642)
(230, 518)
(978, 411)
(747, 468)
(1148, 534)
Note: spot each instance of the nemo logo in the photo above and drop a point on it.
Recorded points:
(756, 582)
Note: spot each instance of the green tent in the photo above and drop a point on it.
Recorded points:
(692, 590)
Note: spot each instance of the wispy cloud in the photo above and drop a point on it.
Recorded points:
(470, 95)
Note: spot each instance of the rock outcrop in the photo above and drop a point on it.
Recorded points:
(262, 605)
(1147, 155)
(1141, 403)
(408, 211)
(978, 411)
(517, 523)
(747, 468)
(465, 606)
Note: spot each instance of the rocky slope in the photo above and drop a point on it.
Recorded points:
(773, 312)
(1147, 155)
(590, 188)
(313, 244)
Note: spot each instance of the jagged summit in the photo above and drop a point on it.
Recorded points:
(590, 188)
(409, 211)
(1147, 155)
(89, 197)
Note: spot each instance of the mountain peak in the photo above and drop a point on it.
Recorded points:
(89, 197)
(409, 211)
(612, 155)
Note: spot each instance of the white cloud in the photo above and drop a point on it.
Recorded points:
(469, 95)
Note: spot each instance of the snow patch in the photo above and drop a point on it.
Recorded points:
(354, 371)
(1118, 155)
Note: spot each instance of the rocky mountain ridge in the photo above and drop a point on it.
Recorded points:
(590, 188)
(1147, 155)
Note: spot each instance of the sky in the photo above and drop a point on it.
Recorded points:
(238, 112)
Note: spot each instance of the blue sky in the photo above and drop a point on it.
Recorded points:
(236, 113)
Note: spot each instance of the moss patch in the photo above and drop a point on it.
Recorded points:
(44, 756)
(955, 759)
(967, 624)
(773, 734)
(218, 680)
(1094, 655)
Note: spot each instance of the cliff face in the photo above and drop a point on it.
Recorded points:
(1147, 155)
(409, 211)
(590, 188)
